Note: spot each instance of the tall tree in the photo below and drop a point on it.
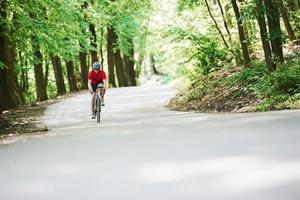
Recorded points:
(101, 45)
(129, 61)
(273, 17)
(119, 67)
(152, 65)
(260, 16)
(83, 51)
(71, 76)
(59, 77)
(224, 20)
(93, 38)
(242, 37)
(216, 24)
(110, 56)
(83, 68)
(8, 78)
(220, 32)
(286, 21)
(93, 43)
(41, 89)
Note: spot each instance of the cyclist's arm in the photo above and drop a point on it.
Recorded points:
(104, 84)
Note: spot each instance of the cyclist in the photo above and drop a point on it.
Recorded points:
(96, 79)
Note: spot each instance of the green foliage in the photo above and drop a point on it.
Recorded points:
(51, 89)
(203, 51)
(273, 89)
(183, 4)
(2, 65)
(208, 56)
(296, 22)
(286, 80)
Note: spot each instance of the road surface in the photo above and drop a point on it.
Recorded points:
(142, 151)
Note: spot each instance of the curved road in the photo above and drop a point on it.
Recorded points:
(142, 151)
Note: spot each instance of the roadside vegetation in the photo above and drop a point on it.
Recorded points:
(243, 57)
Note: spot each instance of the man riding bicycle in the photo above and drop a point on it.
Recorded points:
(96, 80)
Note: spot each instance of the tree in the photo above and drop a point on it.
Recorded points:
(83, 69)
(152, 65)
(59, 77)
(129, 62)
(8, 78)
(94, 43)
(285, 17)
(216, 24)
(110, 56)
(242, 37)
(260, 16)
(71, 76)
(122, 82)
(224, 20)
(41, 88)
(273, 17)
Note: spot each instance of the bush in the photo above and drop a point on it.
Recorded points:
(204, 53)
(276, 90)
(286, 80)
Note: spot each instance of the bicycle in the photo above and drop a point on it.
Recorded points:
(98, 104)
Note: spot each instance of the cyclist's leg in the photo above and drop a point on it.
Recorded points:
(93, 95)
(93, 102)
(102, 92)
(100, 87)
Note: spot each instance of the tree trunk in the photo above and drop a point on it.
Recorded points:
(83, 70)
(242, 37)
(24, 81)
(130, 64)
(216, 24)
(6, 100)
(101, 46)
(228, 15)
(125, 61)
(264, 35)
(220, 32)
(71, 76)
(93, 43)
(7, 78)
(24, 84)
(152, 65)
(59, 77)
(83, 54)
(120, 68)
(16, 90)
(274, 29)
(286, 21)
(41, 89)
(110, 57)
(224, 20)
(139, 65)
(46, 72)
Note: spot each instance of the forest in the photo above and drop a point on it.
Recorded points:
(230, 55)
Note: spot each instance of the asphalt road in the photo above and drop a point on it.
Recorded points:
(142, 151)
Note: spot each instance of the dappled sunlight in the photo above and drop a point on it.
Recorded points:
(227, 174)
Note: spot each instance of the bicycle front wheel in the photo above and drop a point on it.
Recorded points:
(98, 104)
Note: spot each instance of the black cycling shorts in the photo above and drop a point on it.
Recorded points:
(95, 86)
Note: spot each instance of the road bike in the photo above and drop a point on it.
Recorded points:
(98, 104)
